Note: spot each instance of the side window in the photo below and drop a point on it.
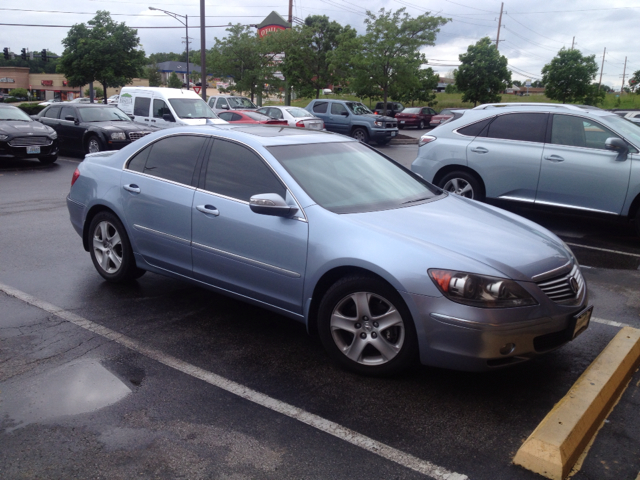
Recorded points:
(275, 113)
(237, 172)
(337, 109)
(579, 132)
(264, 111)
(226, 116)
(141, 106)
(526, 127)
(68, 111)
(476, 129)
(53, 112)
(432, 111)
(222, 103)
(173, 158)
(320, 107)
(159, 108)
(235, 117)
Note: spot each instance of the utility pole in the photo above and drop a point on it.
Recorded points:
(623, 74)
(291, 12)
(287, 87)
(602, 67)
(572, 42)
(203, 54)
(499, 26)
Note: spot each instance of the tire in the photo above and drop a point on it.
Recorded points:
(463, 184)
(356, 337)
(421, 126)
(110, 249)
(94, 144)
(360, 134)
(637, 221)
(48, 160)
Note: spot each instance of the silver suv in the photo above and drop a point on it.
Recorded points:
(221, 103)
(569, 156)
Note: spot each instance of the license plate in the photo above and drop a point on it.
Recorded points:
(33, 149)
(393, 134)
(582, 321)
(401, 121)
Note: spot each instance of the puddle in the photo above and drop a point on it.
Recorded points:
(80, 386)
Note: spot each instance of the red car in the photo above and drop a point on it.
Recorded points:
(444, 115)
(415, 117)
(248, 116)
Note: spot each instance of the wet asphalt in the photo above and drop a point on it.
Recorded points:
(74, 404)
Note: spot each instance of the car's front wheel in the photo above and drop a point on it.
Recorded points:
(365, 325)
(94, 144)
(463, 184)
(421, 126)
(110, 249)
(360, 134)
(637, 220)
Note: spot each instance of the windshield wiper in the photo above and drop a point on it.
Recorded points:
(416, 200)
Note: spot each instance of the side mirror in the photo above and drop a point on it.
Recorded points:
(345, 114)
(132, 117)
(70, 118)
(224, 107)
(271, 204)
(617, 145)
(167, 117)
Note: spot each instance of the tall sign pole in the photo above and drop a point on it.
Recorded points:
(203, 53)
(624, 72)
(602, 68)
(499, 26)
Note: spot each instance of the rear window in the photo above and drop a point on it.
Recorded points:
(411, 110)
(320, 107)
(257, 116)
(298, 112)
(475, 129)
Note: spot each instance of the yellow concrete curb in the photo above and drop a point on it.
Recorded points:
(556, 444)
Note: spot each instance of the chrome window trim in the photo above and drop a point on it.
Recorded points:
(256, 263)
(162, 234)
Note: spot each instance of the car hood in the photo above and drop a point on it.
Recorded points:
(123, 126)
(452, 226)
(24, 128)
(376, 117)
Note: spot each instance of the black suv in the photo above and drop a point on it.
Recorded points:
(392, 108)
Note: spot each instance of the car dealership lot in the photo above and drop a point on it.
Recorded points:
(165, 414)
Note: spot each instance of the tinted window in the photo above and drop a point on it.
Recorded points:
(159, 108)
(172, 158)
(226, 116)
(237, 172)
(52, 112)
(141, 106)
(320, 107)
(579, 132)
(275, 113)
(68, 111)
(259, 117)
(475, 129)
(338, 109)
(526, 127)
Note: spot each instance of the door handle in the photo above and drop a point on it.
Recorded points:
(479, 150)
(554, 158)
(133, 188)
(153, 121)
(208, 209)
(146, 119)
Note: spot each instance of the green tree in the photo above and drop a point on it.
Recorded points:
(483, 73)
(634, 82)
(418, 87)
(517, 83)
(152, 74)
(389, 53)
(20, 92)
(594, 95)
(104, 51)
(568, 77)
(174, 81)
(98, 92)
(451, 88)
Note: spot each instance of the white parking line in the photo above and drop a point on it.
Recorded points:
(611, 323)
(603, 249)
(322, 424)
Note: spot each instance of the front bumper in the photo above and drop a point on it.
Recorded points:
(384, 134)
(8, 151)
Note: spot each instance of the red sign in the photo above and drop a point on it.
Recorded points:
(64, 83)
(197, 90)
(47, 83)
(269, 29)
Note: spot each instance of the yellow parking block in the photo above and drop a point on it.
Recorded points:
(557, 443)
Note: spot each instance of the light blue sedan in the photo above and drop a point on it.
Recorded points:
(386, 268)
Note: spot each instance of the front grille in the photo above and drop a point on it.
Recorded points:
(562, 289)
(137, 135)
(28, 141)
(392, 125)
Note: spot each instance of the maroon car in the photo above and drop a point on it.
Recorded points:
(442, 117)
(415, 117)
(247, 116)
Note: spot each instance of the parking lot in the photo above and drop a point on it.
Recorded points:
(160, 379)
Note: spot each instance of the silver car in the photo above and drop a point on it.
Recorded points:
(384, 267)
(575, 157)
(221, 103)
(295, 117)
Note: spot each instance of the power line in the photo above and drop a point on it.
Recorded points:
(197, 27)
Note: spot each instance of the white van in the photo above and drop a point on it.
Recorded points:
(166, 106)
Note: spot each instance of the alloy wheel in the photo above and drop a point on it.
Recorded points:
(459, 186)
(107, 247)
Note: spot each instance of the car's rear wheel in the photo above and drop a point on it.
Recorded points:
(360, 134)
(94, 144)
(421, 126)
(365, 326)
(637, 221)
(463, 184)
(48, 160)
(110, 249)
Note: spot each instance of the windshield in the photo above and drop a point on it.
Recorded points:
(260, 117)
(14, 114)
(298, 112)
(350, 177)
(240, 102)
(102, 114)
(191, 108)
(411, 110)
(446, 112)
(358, 108)
(628, 129)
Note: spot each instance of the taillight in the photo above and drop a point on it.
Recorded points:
(300, 124)
(75, 177)
(426, 139)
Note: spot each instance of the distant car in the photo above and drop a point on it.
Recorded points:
(113, 99)
(92, 128)
(441, 117)
(295, 117)
(220, 103)
(415, 117)
(232, 116)
(22, 137)
(81, 100)
(393, 108)
(49, 102)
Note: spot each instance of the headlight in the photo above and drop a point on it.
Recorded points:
(118, 136)
(3, 138)
(378, 123)
(480, 290)
(53, 135)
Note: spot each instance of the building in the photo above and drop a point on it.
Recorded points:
(180, 68)
(46, 86)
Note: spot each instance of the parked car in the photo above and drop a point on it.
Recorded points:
(92, 128)
(392, 108)
(220, 103)
(384, 266)
(415, 117)
(113, 99)
(578, 158)
(295, 117)
(50, 102)
(82, 100)
(248, 116)
(444, 115)
(354, 119)
(22, 137)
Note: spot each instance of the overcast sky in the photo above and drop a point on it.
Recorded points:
(531, 34)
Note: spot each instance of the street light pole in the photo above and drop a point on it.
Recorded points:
(186, 24)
